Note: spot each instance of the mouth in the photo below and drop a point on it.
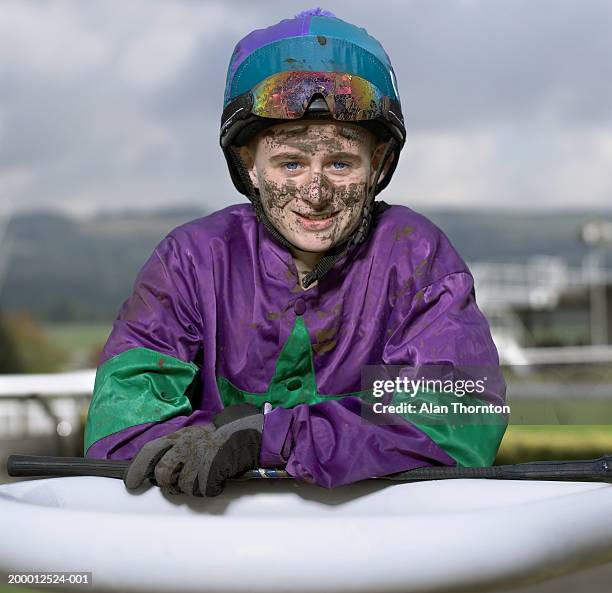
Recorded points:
(318, 221)
(317, 216)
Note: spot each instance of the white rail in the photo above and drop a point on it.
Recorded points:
(43, 403)
(539, 283)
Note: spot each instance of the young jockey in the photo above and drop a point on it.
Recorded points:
(276, 305)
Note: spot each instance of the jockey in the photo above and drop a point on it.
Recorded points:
(247, 332)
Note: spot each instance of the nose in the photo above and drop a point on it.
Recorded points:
(319, 191)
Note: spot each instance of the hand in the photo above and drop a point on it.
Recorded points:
(197, 460)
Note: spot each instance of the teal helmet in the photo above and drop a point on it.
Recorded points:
(314, 65)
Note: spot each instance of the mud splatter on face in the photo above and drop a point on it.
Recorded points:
(354, 134)
(285, 204)
(312, 178)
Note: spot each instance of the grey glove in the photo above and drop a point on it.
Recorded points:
(197, 460)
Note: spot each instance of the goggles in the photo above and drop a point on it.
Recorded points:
(286, 95)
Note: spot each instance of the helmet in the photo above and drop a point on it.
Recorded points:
(312, 65)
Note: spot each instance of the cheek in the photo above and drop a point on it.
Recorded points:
(351, 195)
(268, 173)
(350, 183)
(276, 193)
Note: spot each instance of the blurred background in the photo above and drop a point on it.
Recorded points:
(109, 115)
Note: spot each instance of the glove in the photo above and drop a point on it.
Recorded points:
(197, 460)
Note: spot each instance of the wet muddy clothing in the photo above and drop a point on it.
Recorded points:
(218, 317)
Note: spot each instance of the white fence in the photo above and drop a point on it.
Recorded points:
(43, 403)
(538, 283)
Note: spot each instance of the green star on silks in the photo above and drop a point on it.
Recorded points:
(293, 382)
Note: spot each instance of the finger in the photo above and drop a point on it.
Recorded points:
(171, 488)
(192, 451)
(187, 481)
(234, 457)
(215, 479)
(168, 468)
(212, 462)
(144, 462)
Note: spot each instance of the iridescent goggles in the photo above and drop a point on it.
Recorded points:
(287, 95)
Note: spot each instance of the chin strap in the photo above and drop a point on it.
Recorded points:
(370, 212)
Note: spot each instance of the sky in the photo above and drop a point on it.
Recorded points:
(108, 104)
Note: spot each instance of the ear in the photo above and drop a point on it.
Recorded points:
(375, 161)
(248, 158)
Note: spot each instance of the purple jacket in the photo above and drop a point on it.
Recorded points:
(217, 316)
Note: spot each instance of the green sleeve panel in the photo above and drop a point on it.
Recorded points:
(136, 387)
(471, 440)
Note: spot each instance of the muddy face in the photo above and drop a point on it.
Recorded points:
(312, 178)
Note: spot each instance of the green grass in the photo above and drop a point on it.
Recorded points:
(536, 442)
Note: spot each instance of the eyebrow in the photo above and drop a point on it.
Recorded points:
(349, 156)
(297, 154)
(286, 155)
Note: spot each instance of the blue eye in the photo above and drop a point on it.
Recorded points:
(342, 165)
(290, 165)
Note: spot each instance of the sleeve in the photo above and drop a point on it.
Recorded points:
(334, 443)
(148, 371)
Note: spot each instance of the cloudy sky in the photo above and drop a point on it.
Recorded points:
(114, 103)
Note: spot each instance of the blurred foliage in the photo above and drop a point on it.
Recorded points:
(25, 346)
(9, 359)
(83, 341)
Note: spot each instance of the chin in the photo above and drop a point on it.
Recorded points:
(311, 244)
